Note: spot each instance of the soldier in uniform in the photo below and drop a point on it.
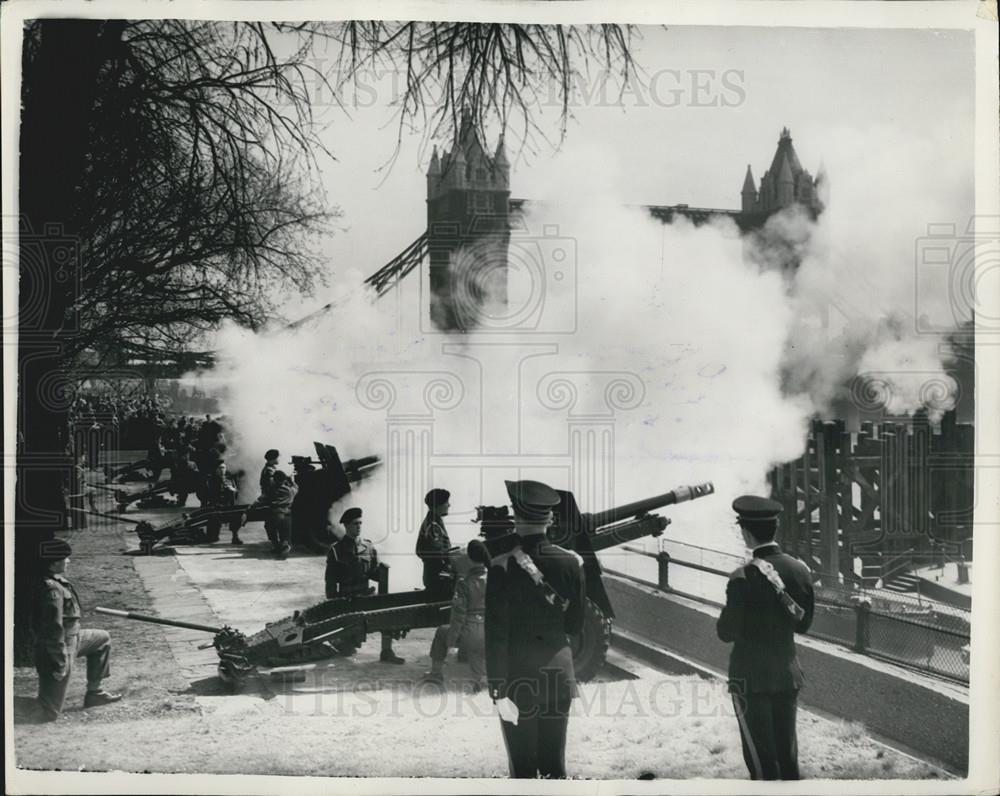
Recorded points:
(280, 514)
(267, 493)
(534, 600)
(351, 563)
(466, 623)
(768, 600)
(268, 470)
(433, 545)
(311, 507)
(220, 492)
(184, 476)
(60, 639)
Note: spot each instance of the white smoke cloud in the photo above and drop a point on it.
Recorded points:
(860, 267)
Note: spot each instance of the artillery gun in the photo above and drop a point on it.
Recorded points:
(337, 626)
(335, 481)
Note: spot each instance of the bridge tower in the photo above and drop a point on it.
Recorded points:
(468, 231)
(784, 184)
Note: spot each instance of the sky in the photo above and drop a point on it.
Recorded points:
(661, 146)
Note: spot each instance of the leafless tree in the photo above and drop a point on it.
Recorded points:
(180, 160)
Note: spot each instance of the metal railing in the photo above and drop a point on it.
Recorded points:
(929, 637)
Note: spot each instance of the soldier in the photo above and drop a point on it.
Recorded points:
(433, 545)
(350, 564)
(768, 600)
(311, 507)
(466, 623)
(534, 600)
(268, 471)
(267, 492)
(280, 514)
(60, 640)
(184, 476)
(220, 492)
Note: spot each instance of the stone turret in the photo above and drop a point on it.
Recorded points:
(749, 192)
(468, 195)
(784, 184)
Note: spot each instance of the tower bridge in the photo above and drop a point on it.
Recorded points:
(470, 210)
(469, 206)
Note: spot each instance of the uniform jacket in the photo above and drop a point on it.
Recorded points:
(185, 476)
(350, 564)
(763, 658)
(220, 491)
(282, 496)
(468, 603)
(58, 627)
(528, 655)
(432, 548)
(267, 481)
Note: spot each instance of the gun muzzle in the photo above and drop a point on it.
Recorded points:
(686, 493)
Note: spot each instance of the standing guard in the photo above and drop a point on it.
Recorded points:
(433, 546)
(535, 598)
(350, 564)
(768, 601)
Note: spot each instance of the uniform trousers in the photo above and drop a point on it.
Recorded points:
(472, 640)
(281, 525)
(95, 646)
(767, 732)
(536, 745)
(214, 526)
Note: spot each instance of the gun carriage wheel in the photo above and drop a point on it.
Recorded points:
(590, 647)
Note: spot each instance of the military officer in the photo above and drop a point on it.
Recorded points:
(351, 563)
(60, 639)
(534, 600)
(433, 545)
(768, 600)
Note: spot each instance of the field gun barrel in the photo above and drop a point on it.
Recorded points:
(156, 620)
(680, 495)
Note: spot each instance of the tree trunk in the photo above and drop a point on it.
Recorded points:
(58, 90)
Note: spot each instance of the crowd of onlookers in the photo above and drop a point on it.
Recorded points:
(108, 429)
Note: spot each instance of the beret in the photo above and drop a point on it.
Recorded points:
(273, 453)
(477, 552)
(350, 515)
(752, 507)
(437, 497)
(531, 500)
